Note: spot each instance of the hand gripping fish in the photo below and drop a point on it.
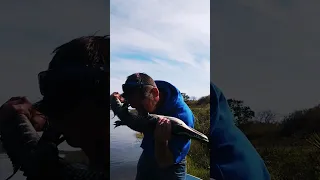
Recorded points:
(147, 123)
(38, 157)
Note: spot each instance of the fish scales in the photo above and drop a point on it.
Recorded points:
(147, 123)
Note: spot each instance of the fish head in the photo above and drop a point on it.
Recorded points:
(180, 128)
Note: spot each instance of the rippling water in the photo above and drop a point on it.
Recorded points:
(124, 154)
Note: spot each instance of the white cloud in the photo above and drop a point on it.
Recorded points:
(188, 79)
(173, 36)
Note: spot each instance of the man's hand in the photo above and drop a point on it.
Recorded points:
(21, 105)
(162, 132)
(118, 96)
(19, 122)
(162, 135)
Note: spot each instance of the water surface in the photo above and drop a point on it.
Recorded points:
(124, 152)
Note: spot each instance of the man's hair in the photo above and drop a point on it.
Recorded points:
(142, 77)
(146, 81)
(87, 51)
(92, 51)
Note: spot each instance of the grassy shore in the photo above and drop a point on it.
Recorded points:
(198, 160)
(290, 146)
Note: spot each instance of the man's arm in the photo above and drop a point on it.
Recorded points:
(38, 159)
(162, 135)
(163, 154)
(170, 150)
(169, 153)
(41, 160)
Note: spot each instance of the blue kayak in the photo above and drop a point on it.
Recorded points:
(190, 177)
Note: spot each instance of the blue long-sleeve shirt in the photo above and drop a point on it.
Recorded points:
(173, 106)
(233, 157)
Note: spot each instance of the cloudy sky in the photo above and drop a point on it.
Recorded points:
(264, 52)
(267, 52)
(169, 40)
(30, 31)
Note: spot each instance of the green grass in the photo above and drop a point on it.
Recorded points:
(290, 157)
(194, 169)
(198, 159)
(139, 135)
(292, 162)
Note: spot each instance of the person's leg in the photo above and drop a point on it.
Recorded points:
(144, 170)
(175, 172)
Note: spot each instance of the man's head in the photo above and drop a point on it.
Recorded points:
(141, 92)
(76, 87)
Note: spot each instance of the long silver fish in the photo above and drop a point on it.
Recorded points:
(147, 123)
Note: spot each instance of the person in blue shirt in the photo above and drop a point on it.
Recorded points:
(163, 156)
(232, 156)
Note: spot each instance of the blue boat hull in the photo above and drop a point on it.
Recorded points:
(190, 177)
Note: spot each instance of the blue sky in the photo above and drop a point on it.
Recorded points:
(169, 40)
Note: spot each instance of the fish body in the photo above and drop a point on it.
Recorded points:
(147, 123)
(18, 141)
